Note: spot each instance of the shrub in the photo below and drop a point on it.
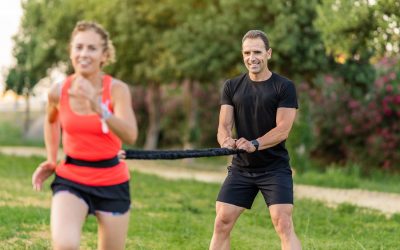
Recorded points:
(363, 127)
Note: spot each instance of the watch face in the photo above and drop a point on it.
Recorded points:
(255, 143)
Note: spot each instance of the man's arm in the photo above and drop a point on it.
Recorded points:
(225, 126)
(284, 121)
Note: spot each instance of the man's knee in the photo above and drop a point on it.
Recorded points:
(283, 225)
(223, 223)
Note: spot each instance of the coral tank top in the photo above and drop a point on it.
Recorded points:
(84, 139)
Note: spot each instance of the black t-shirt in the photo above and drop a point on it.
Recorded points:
(255, 106)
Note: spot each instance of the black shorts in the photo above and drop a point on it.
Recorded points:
(114, 199)
(240, 187)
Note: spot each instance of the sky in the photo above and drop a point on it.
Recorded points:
(10, 14)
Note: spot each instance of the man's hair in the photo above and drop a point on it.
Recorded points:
(253, 34)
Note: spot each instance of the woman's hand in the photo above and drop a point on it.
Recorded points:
(84, 89)
(42, 172)
(122, 154)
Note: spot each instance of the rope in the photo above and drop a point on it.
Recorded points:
(179, 154)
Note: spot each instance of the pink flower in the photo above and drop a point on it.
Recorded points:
(372, 105)
(389, 88)
(385, 79)
(385, 133)
(303, 86)
(379, 83)
(387, 111)
(348, 129)
(329, 79)
(386, 165)
(353, 104)
(397, 99)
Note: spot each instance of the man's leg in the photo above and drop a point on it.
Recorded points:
(225, 219)
(281, 215)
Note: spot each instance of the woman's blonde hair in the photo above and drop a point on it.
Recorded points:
(107, 43)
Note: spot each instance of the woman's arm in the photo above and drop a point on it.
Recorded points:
(123, 121)
(52, 139)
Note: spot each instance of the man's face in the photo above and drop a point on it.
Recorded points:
(255, 55)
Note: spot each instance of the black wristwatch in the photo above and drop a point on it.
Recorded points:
(255, 144)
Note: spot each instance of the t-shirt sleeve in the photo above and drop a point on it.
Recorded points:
(288, 96)
(226, 95)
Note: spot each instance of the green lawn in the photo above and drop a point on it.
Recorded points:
(349, 177)
(180, 214)
(333, 176)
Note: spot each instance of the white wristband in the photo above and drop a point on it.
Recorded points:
(105, 113)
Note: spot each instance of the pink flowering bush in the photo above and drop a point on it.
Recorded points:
(363, 128)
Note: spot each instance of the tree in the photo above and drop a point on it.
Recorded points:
(356, 28)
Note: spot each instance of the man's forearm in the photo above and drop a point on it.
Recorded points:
(223, 133)
(272, 138)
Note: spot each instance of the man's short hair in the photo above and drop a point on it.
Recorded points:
(252, 34)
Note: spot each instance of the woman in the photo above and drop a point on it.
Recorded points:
(95, 113)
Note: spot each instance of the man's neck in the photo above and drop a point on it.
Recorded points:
(262, 76)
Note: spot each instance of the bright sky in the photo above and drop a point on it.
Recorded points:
(10, 14)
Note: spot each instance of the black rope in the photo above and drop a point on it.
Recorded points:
(179, 154)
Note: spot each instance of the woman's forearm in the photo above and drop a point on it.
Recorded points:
(52, 136)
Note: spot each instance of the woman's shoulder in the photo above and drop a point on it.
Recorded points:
(118, 87)
(118, 84)
(54, 93)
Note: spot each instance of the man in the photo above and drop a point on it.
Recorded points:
(262, 106)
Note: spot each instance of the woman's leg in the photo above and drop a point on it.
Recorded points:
(68, 213)
(113, 230)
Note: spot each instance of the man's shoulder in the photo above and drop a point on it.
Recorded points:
(238, 79)
(282, 79)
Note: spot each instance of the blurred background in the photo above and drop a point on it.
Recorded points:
(343, 56)
(176, 55)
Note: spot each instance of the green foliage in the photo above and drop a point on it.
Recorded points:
(301, 137)
(359, 27)
(168, 42)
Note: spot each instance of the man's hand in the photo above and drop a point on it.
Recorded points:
(229, 143)
(246, 145)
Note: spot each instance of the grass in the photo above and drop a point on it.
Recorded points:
(180, 215)
(333, 176)
(350, 177)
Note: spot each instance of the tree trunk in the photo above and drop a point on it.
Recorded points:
(27, 114)
(190, 135)
(153, 104)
